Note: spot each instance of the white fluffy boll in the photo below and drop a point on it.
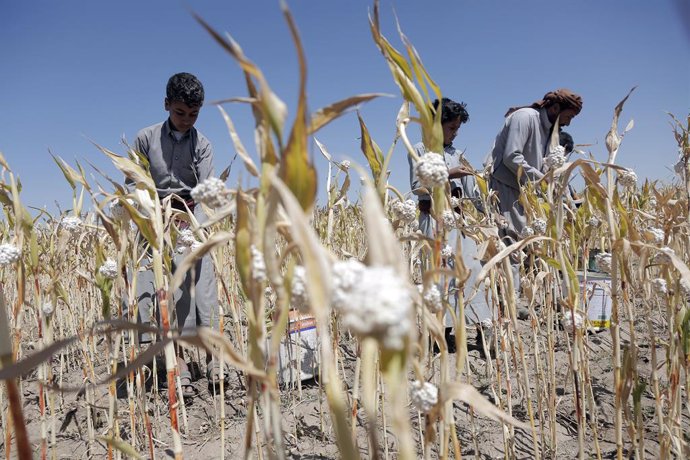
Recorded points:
(373, 302)
(71, 223)
(627, 178)
(431, 170)
(424, 396)
(109, 269)
(298, 290)
(211, 192)
(659, 286)
(539, 226)
(432, 299)
(9, 254)
(603, 261)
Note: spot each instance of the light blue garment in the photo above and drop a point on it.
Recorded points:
(477, 309)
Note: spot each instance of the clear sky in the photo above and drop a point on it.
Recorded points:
(80, 71)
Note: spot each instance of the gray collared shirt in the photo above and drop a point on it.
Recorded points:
(176, 166)
(522, 142)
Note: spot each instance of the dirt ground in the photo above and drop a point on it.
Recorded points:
(308, 432)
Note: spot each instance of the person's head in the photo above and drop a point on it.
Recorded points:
(184, 96)
(566, 141)
(562, 103)
(453, 114)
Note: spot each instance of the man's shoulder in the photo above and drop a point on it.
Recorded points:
(150, 130)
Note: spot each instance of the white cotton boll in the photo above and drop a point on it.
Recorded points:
(539, 226)
(431, 170)
(554, 160)
(299, 298)
(603, 261)
(594, 222)
(449, 222)
(526, 232)
(663, 256)
(9, 254)
(345, 275)
(345, 165)
(109, 269)
(268, 292)
(659, 286)
(567, 320)
(258, 265)
(195, 245)
(454, 202)
(432, 299)
(424, 396)
(186, 237)
(374, 302)
(447, 251)
(211, 192)
(685, 287)
(48, 309)
(414, 225)
(627, 178)
(656, 235)
(651, 204)
(409, 211)
(71, 224)
(405, 211)
(557, 150)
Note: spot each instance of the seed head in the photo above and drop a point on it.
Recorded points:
(432, 299)
(211, 192)
(258, 265)
(424, 396)
(526, 232)
(449, 222)
(627, 178)
(431, 170)
(539, 226)
(685, 287)
(9, 254)
(659, 286)
(48, 309)
(109, 269)
(373, 302)
(406, 211)
(567, 320)
(603, 261)
(556, 158)
(186, 237)
(447, 251)
(71, 224)
(594, 222)
(299, 298)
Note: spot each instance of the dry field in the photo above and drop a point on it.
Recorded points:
(538, 384)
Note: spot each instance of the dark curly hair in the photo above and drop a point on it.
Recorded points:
(185, 87)
(451, 110)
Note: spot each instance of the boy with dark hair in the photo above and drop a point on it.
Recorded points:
(462, 185)
(179, 158)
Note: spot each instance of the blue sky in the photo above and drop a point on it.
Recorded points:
(81, 71)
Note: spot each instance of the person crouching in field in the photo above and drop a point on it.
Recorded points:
(462, 186)
(179, 158)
